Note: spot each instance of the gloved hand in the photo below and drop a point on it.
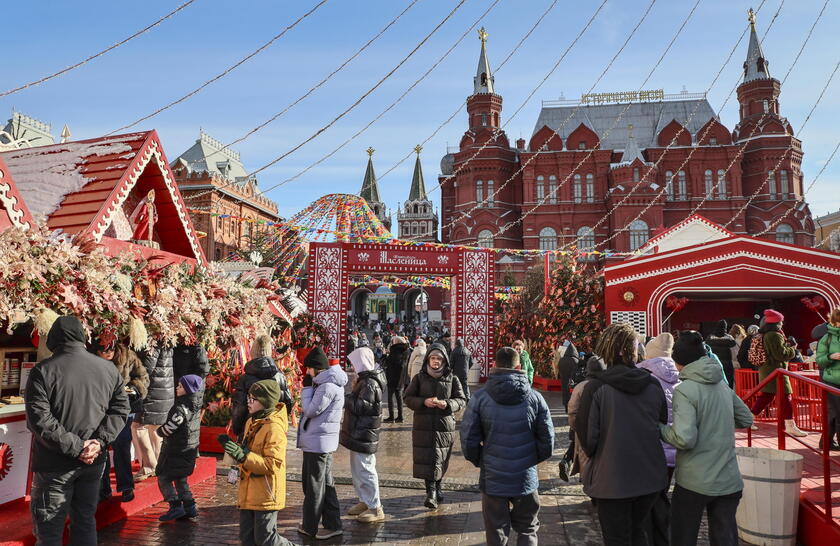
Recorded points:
(223, 439)
(307, 380)
(236, 451)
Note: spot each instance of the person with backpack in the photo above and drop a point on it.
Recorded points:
(744, 350)
(567, 363)
(828, 360)
(575, 458)
(395, 364)
(768, 353)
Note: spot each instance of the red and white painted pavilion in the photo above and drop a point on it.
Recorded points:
(13, 210)
(723, 276)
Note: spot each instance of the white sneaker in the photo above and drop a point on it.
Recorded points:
(793, 430)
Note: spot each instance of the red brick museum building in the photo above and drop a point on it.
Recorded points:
(669, 153)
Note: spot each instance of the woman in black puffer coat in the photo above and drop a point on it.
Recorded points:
(721, 344)
(435, 395)
(190, 359)
(395, 363)
(261, 366)
(154, 408)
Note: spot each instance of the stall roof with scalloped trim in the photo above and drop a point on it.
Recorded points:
(80, 187)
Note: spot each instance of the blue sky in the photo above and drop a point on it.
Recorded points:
(210, 35)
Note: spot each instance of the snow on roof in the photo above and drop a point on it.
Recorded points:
(45, 175)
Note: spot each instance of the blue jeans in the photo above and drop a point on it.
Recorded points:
(122, 463)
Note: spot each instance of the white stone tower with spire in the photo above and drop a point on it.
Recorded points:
(417, 218)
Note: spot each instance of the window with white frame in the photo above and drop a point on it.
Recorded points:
(540, 188)
(586, 239)
(548, 239)
(552, 189)
(709, 183)
(590, 188)
(771, 184)
(485, 238)
(669, 185)
(682, 186)
(636, 176)
(784, 233)
(784, 188)
(577, 188)
(491, 194)
(721, 184)
(479, 191)
(639, 234)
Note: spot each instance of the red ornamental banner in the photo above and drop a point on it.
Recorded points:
(471, 272)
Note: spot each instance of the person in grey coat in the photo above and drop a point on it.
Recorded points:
(76, 405)
(322, 402)
(618, 428)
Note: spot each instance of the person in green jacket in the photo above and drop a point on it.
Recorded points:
(524, 360)
(706, 413)
(828, 359)
(777, 354)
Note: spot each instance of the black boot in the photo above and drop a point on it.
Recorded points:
(176, 510)
(438, 491)
(190, 511)
(431, 495)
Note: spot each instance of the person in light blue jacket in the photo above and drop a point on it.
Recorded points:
(322, 401)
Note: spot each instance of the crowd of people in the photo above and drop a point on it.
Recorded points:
(640, 415)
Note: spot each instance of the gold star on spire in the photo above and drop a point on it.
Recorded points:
(751, 16)
(418, 149)
(482, 35)
(370, 151)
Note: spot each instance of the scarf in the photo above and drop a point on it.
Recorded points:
(435, 373)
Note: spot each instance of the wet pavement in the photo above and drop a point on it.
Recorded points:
(566, 516)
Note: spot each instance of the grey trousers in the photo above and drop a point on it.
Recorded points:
(320, 500)
(259, 528)
(174, 489)
(502, 513)
(54, 493)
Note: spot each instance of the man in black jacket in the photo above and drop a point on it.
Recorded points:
(75, 406)
(461, 363)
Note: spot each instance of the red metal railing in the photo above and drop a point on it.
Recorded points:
(816, 386)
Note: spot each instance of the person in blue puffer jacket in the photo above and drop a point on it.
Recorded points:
(322, 401)
(506, 431)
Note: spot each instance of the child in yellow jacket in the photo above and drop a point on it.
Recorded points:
(262, 465)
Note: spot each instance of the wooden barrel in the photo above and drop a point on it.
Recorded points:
(769, 507)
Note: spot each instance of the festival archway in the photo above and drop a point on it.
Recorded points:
(472, 287)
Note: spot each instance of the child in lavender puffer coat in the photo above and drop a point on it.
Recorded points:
(659, 363)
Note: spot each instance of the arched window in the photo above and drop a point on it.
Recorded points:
(784, 233)
(247, 230)
(540, 188)
(639, 234)
(479, 191)
(721, 184)
(577, 189)
(581, 145)
(636, 176)
(552, 189)
(669, 185)
(548, 239)
(590, 188)
(771, 184)
(713, 141)
(586, 239)
(709, 184)
(491, 194)
(783, 184)
(681, 186)
(484, 120)
(766, 107)
(485, 238)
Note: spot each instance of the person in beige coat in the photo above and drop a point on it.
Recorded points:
(593, 366)
(415, 361)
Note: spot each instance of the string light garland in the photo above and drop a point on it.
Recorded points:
(99, 54)
(311, 90)
(361, 98)
(224, 73)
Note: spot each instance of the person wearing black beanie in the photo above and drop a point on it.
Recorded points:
(721, 344)
(688, 348)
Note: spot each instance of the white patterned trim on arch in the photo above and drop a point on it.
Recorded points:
(10, 203)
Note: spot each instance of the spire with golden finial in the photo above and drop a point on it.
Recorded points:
(483, 81)
(418, 185)
(755, 67)
(370, 151)
(370, 188)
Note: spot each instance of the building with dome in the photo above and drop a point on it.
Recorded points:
(562, 188)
